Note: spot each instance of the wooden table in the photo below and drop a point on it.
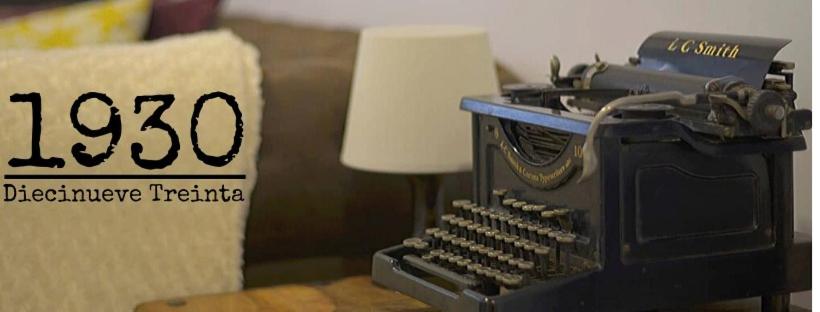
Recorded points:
(350, 294)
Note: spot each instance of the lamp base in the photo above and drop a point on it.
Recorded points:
(427, 193)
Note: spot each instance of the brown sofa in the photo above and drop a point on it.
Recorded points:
(311, 217)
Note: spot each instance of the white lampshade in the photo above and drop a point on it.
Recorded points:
(404, 112)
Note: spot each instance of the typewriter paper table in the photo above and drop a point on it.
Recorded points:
(350, 294)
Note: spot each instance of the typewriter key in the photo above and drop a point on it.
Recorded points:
(494, 219)
(471, 231)
(467, 212)
(458, 203)
(499, 278)
(502, 223)
(492, 256)
(503, 260)
(485, 216)
(473, 248)
(478, 270)
(454, 259)
(526, 267)
(498, 201)
(465, 246)
(463, 263)
(542, 260)
(454, 245)
(513, 263)
(543, 235)
(481, 271)
(462, 227)
(464, 211)
(497, 241)
(512, 226)
(472, 267)
(477, 215)
(532, 232)
(564, 219)
(509, 241)
(517, 206)
(454, 225)
(489, 237)
(513, 281)
(529, 248)
(436, 254)
(522, 229)
(411, 242)
(489, 275)
(421, 246)
(483, 250)
(445, 221)
(430, 234)
(549, 217)
(527, 211)
(554, 244)
(519, 248)
(442, 259)
(565, 241)
(437, 243)
(447, 240)
(428, 257)
(481, 234)
(492, 273)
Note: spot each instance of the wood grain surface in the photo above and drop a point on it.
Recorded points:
(350, 294)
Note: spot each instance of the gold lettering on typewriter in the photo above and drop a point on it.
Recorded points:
(547, 180)
(704, 48)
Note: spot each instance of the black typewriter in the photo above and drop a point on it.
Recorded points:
(662, 183)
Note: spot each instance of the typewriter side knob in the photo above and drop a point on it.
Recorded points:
(766, 110)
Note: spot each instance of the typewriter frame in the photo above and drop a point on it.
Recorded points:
(767, 260)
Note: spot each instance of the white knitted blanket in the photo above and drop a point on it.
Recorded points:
(60, 255)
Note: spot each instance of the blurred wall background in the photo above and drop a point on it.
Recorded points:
(525, 33)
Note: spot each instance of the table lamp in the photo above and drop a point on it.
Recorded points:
(404, 115)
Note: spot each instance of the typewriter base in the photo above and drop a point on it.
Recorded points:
(680, 283)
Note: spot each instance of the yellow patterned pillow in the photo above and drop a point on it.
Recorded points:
(77, 24)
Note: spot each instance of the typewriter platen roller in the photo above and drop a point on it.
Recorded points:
(663, 183)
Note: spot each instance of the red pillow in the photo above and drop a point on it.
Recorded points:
(170, 17)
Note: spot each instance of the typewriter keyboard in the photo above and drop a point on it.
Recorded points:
(510, 245)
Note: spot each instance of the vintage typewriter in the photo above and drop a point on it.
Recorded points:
(662, 183)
